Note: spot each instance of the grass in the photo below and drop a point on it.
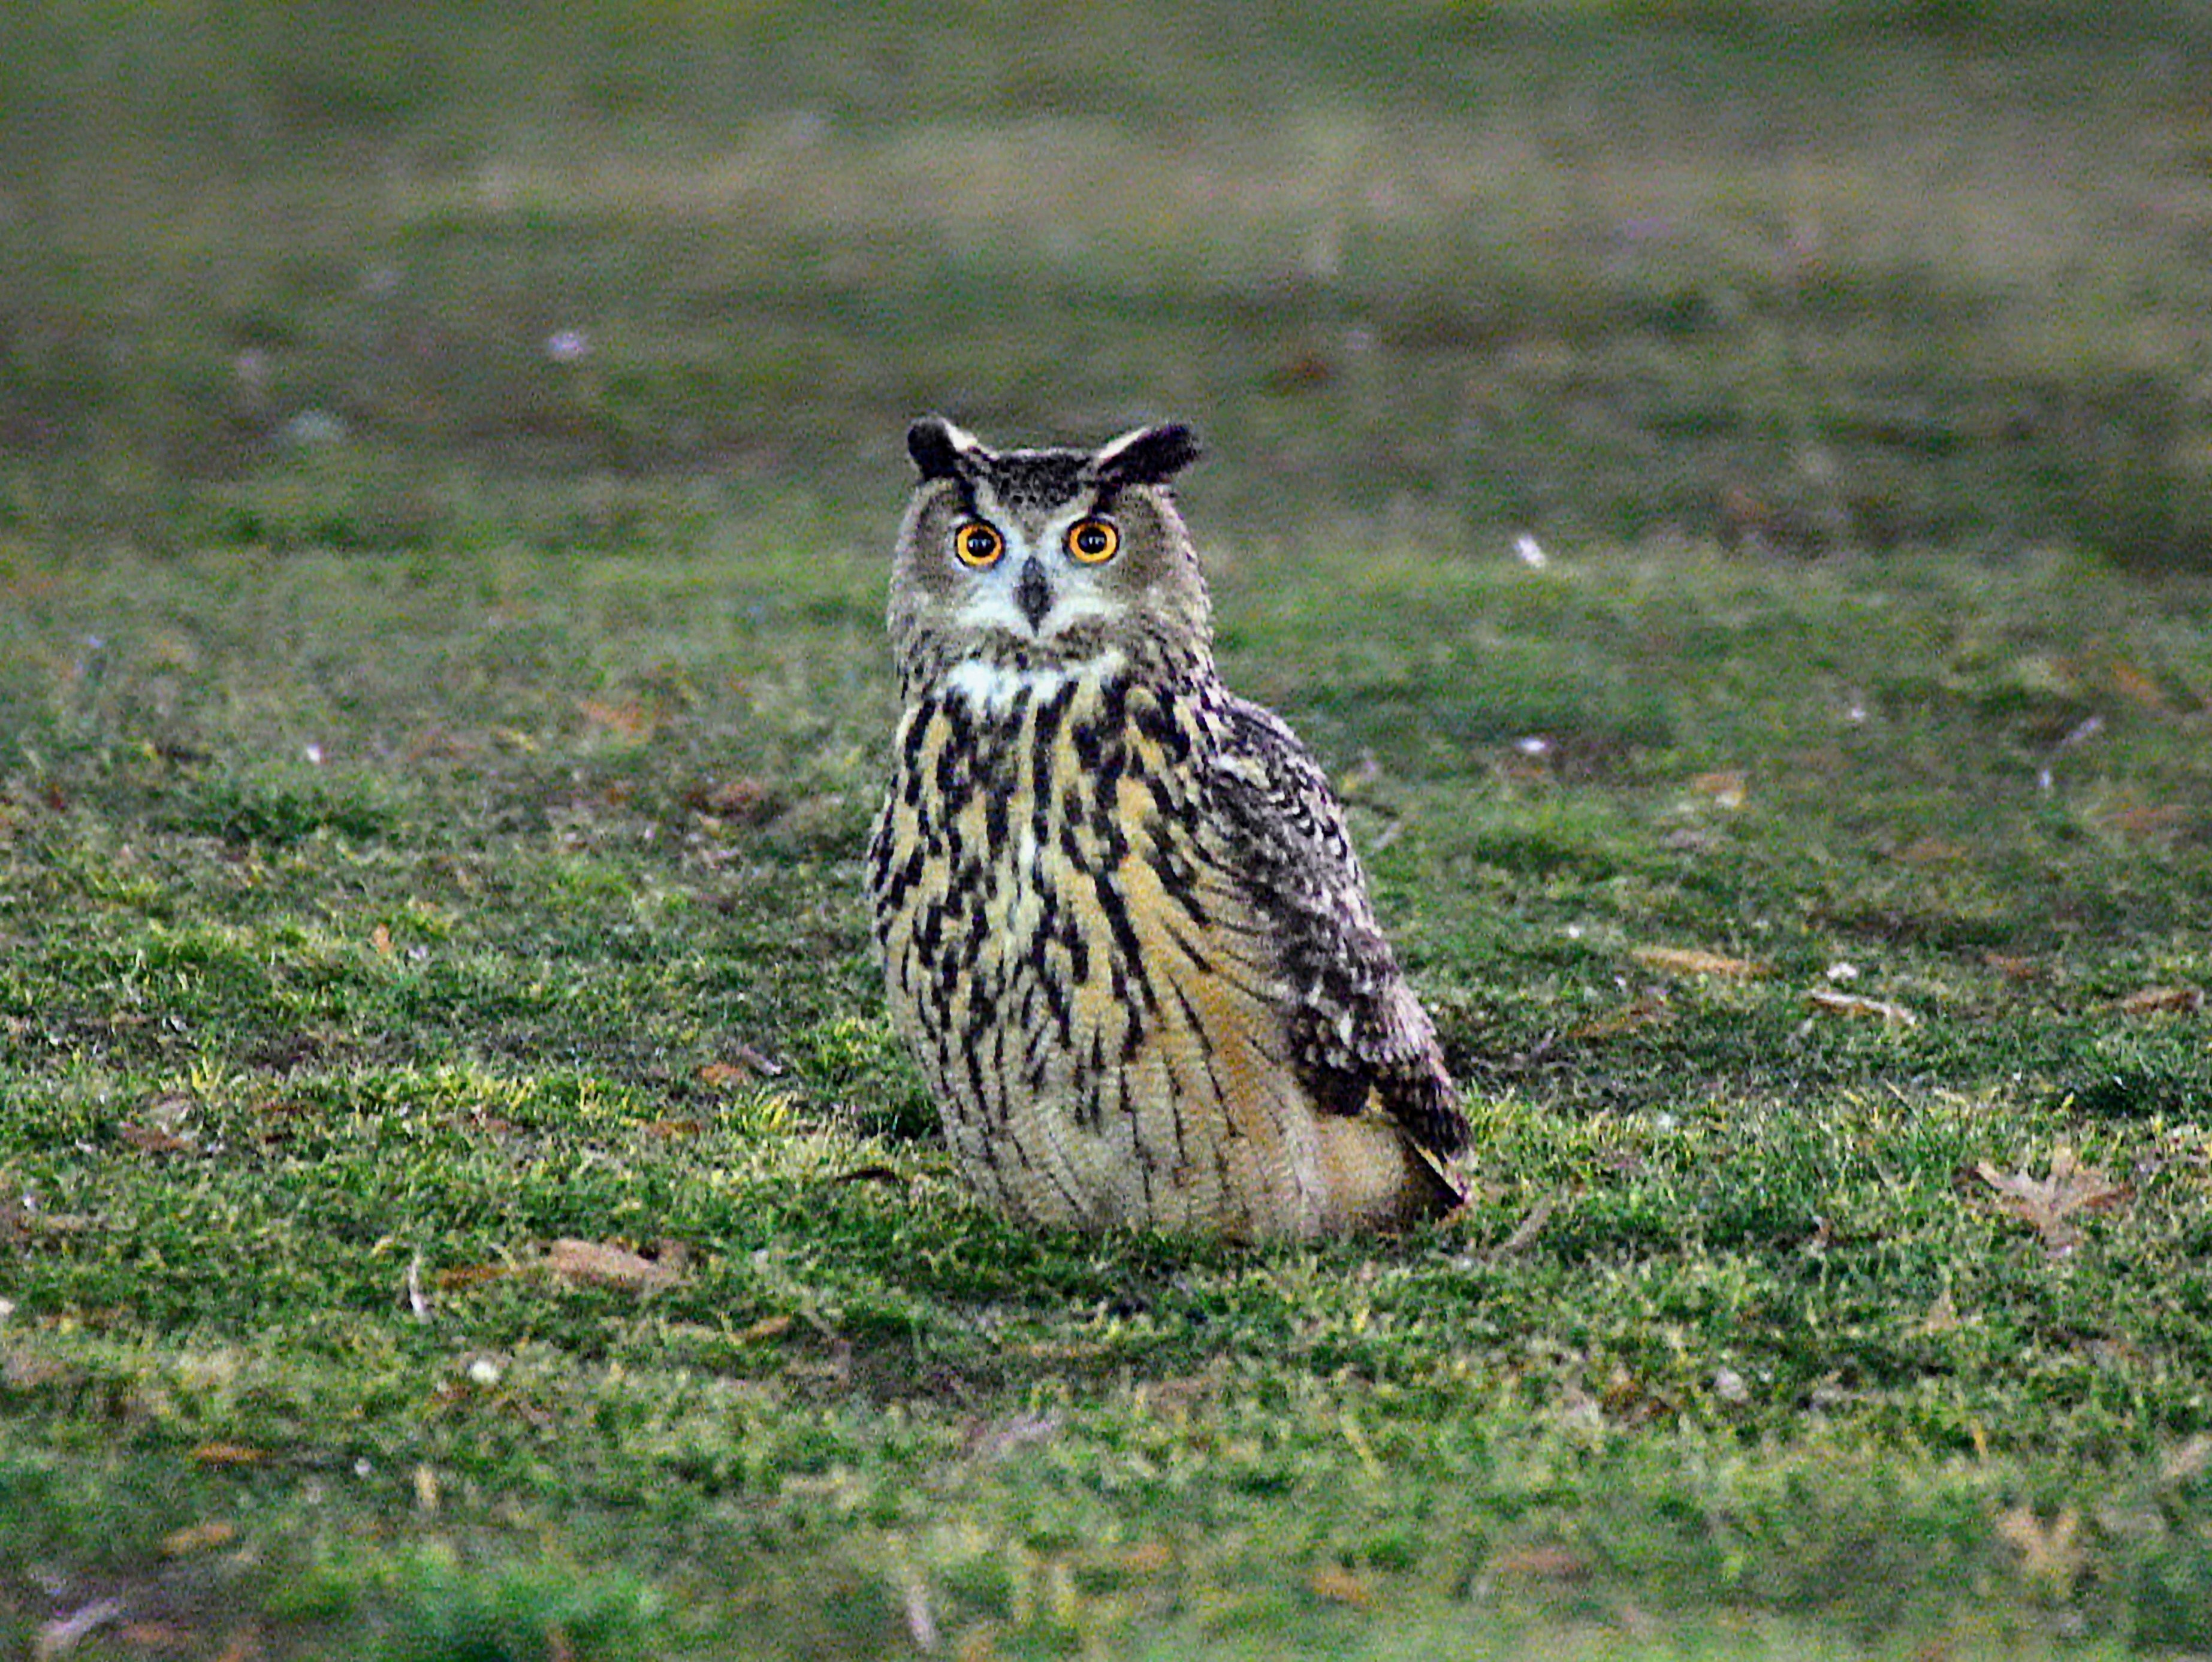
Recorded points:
(459, 1196)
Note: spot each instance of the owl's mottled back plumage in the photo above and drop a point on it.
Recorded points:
(1123, 925)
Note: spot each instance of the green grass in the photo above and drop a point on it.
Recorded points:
(433, 776)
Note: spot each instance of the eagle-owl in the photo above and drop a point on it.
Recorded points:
(1123, 928)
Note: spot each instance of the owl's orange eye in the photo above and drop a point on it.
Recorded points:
(1094, 542)
(978, 544)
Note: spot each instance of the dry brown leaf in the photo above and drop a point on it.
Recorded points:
(2187, 1463)
(1545, 1563)
(28, 1370)
(1726, 788)
(221, 1454)
(599, 1263)
(1826, 1001)
(198, 1538)
(1147, 1558)
(1931, 850)
(1061, 1350)
(759, 1061)
(152, 1139)
(2051, 1554)
(746, 1067)
(992, 1441)
(159, 1638)
(2132, 683)
(1178, 1395)
(1628, 1397)
(2113, 1355)
(1305, 366)
(1643, 1012)
(1341, 1586)
(2147, 823)
(1694, 961)
(435, 742)
(2163, 1001)
(747, 801)
(2050, 1205)
(469, 1275)
(1943, 1316)
(18, 1224)
(626, 719)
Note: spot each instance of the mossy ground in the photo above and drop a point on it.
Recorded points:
(443, 699)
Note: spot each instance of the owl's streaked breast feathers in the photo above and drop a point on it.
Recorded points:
(1123, 926)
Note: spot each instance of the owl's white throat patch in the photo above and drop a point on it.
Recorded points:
(994, 608)
(993, 687)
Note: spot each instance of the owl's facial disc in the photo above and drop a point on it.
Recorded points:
(1029, 570)
(1014, 565)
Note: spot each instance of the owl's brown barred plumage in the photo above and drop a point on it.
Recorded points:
(1123, 925)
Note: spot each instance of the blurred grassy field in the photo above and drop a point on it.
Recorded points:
(458, 1197)
(1812, 276)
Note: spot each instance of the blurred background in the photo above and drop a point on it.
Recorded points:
(1798, 278)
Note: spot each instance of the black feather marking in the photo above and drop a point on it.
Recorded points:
(1046, 733)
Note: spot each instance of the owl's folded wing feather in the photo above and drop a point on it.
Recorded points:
(1358, 1031)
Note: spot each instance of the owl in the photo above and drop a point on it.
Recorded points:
(1122, 927)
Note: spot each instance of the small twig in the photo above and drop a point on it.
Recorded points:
(1525, 1232)
(418, 1301)
(63, 1634)
(921, 1620)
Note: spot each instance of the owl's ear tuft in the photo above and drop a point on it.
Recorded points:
(940, 449)
(1146, 456)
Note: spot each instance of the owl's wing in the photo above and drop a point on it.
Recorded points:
(1357, 1029)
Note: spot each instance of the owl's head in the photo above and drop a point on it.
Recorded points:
(1044, 558)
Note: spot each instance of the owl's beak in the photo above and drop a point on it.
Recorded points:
(1033, 594)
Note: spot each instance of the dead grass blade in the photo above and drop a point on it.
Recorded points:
(1695, 961)
(2163, 1001)
(1826, 1001)
(2051, 1554)
(1525, 1231)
